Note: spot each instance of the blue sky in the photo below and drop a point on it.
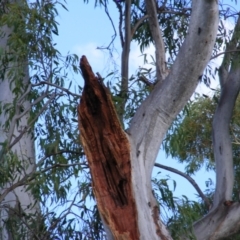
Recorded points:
(84, 28)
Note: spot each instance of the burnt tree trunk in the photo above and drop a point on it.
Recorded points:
(108, 153)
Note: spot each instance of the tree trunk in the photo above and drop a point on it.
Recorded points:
(121, 163)
(223, 219)
(110, 156)
(18, 207)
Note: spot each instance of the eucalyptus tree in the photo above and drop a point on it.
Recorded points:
(39, 104)
(121, 162)
(17, 157)
(190, 142)
(33, 113)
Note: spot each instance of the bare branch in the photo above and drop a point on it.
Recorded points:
(138, 24)
(145, 80)
(224, 53)
(56, 86)
(230, 48)
(229, 73)
(111, 21)
(22, 98)
(156, 113)
(191, 180)
(158, 40)
(125, 56)
(120, 22)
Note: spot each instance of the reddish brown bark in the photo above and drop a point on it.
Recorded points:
(108, 153)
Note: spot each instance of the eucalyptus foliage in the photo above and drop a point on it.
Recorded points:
(52, 123)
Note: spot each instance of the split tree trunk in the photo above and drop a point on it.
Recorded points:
(108, 151)
(121, 164)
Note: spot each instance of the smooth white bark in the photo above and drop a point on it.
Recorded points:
(223, 219)
(220, 223)
(157, 112)
(19, 198)
(230, 85)
(158, 40)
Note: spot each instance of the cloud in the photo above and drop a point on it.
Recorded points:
(96, 57)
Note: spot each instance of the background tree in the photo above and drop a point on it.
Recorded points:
(33, 111)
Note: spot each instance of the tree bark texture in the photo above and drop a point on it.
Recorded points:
(108, 152)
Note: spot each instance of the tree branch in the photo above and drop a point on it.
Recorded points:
(30, 125)
(108, 154)
(224, 53)
(30, 176)
(220, 223)
(191, 180)
(230, 86)
(125, 57)
(56, 86)
(17, 116)
(138, 24)
(143, 79)
(120, 22)
(156, 113)
(158, 40)
(231, 47)
(141, 20)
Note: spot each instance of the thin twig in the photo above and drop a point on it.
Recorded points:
(56, 86)
(111, 21)
(119, 6)
(26, 129)
(143, 79)
(222, 53)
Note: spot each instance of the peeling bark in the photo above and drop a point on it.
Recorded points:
(108, 152)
